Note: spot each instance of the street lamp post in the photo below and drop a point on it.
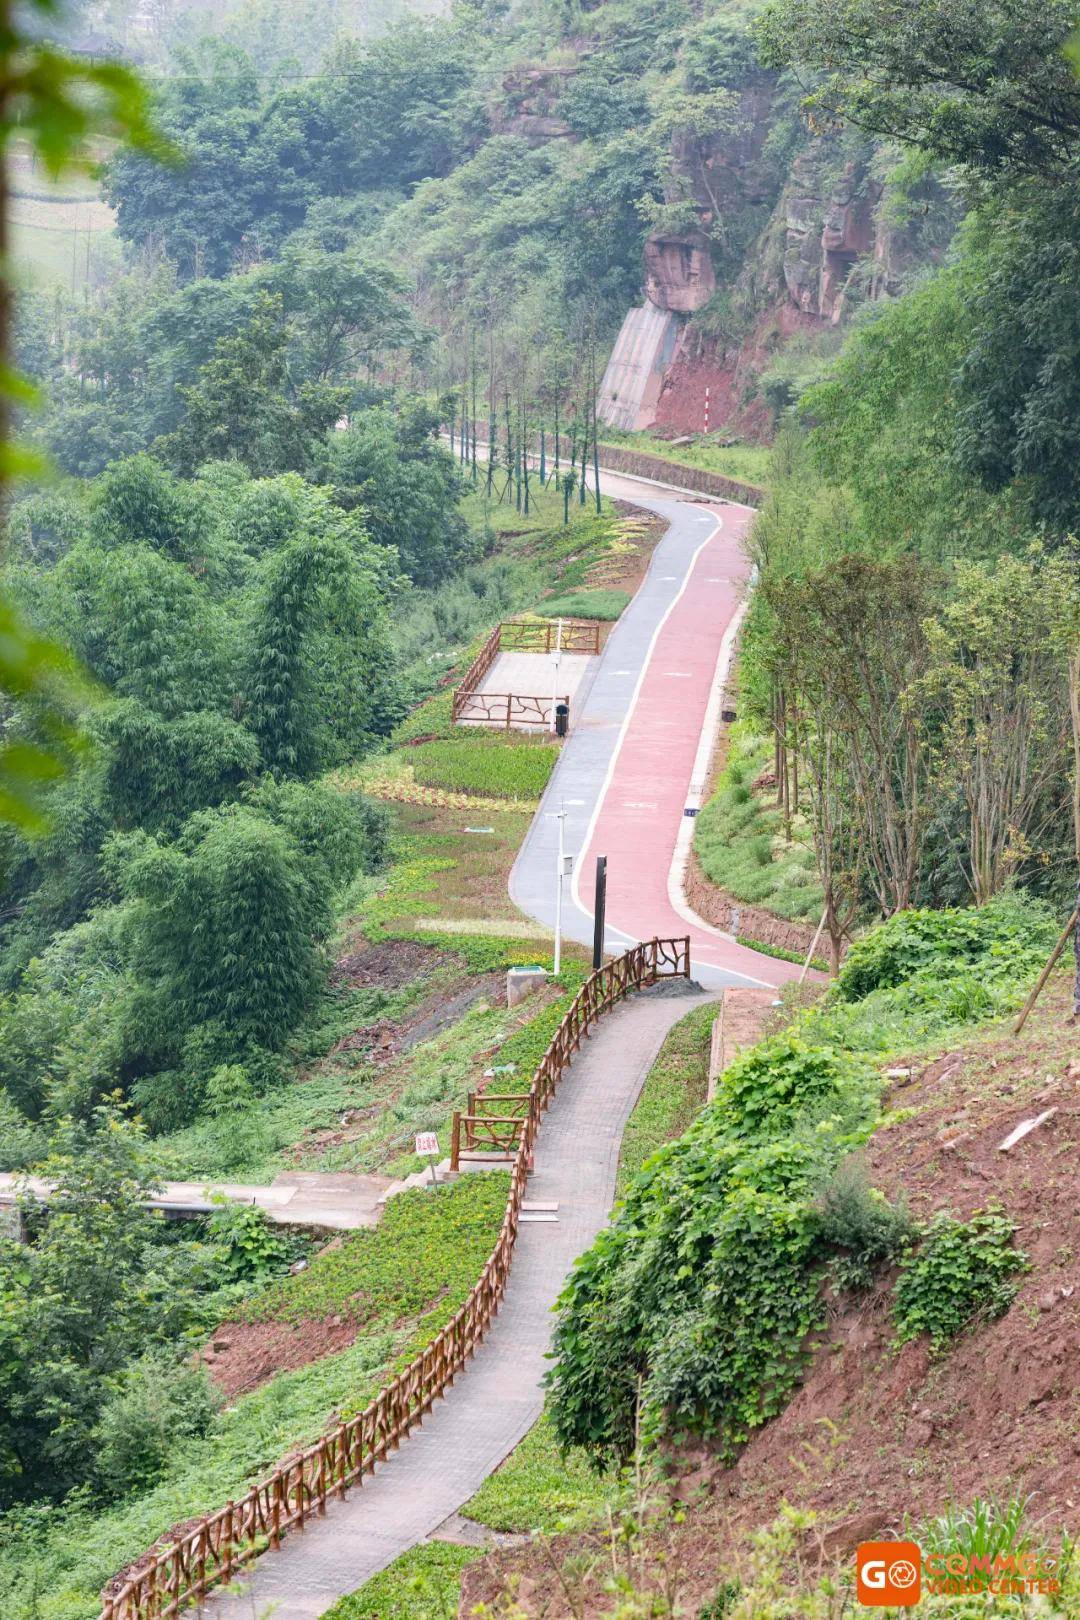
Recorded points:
(563, 866)
(555, 677)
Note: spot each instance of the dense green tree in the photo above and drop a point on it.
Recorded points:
(74, 1303)
(1018, 385)
(143, 624)
(242, 404)
(157, 771)
(984, 83)
(383, 115)
(228, 920)
(345, 311)
(244, 182)
(406, 484)
(138, 501)
(319, 676)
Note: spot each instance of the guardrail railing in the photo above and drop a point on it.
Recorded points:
(211, 1552)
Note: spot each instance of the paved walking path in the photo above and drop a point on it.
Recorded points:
(498, 1397)
(638, 753)
(534, 675)
(297, 1198)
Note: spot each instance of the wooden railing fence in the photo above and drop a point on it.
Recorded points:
(212, 1551)
(519, 635)
(542, 635)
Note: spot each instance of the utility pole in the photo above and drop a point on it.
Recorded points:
(599, 910)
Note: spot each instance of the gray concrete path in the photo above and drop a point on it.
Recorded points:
(296, 1198)
(534, 675)
(498, 1397)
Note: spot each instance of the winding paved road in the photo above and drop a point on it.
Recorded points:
(636, 759)
(638, 753)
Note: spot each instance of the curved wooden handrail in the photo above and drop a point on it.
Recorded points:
(211, 1552)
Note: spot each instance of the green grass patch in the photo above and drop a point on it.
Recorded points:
(486, 764)
(539, 1488)
(748, 463)
(254, 1145)
(673, 1093)
(587, 605)
(739, 839)
(427, 1245)
(781, 954)
(423, 1584)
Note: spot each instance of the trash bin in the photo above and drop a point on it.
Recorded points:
(562, 719)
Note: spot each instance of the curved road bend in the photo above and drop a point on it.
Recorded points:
(639, 747)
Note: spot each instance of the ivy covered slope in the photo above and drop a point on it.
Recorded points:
(821, 1296)
(695, 1309)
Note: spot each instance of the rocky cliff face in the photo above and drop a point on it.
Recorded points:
(529, 104)
(832, 234)
(679, 273)
(827, 240)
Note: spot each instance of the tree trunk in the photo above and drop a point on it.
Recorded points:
(836, 936)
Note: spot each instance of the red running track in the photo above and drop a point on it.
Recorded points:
(641, 810)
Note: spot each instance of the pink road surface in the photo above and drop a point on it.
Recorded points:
(641, 810)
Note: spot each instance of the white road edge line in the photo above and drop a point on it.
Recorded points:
(575, 882)
(710, 735)
(706, 741)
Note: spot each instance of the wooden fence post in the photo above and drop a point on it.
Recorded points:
(226, 1552)
(455, 1143)
(275, 1514)
(200, 1561)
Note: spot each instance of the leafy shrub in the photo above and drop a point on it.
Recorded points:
(1011, 934)
(251, 1249)
(780, 1081)
(961, 1270)
(728, 1363)
(491, 767)
(156, 1403)
(701, 1293)
(859, 1226)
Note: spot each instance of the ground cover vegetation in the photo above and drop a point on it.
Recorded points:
(695, 1309)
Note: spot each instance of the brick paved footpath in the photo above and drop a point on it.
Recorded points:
(497, 1397)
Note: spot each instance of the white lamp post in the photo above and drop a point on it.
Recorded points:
(564, 865)
(555, 678)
